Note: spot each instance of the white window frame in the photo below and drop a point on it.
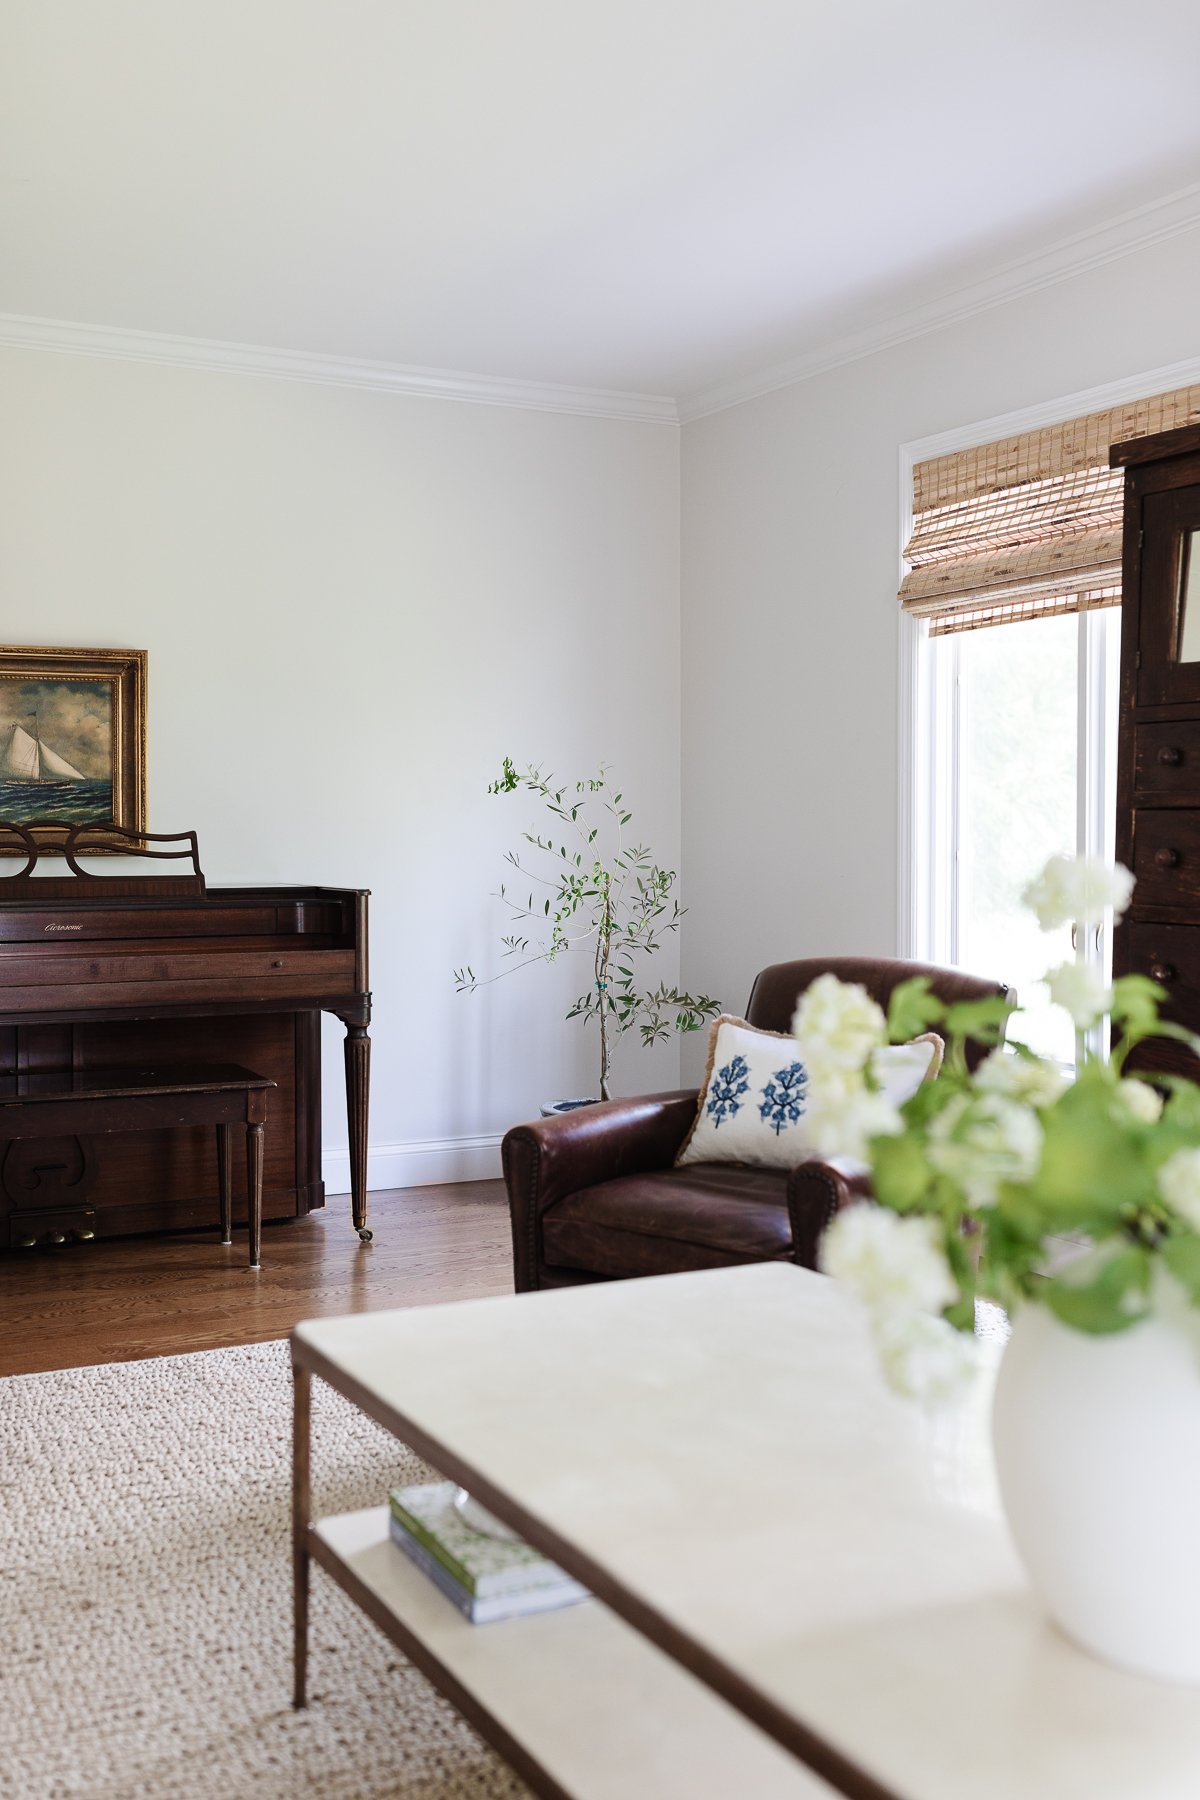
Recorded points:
(926, 807)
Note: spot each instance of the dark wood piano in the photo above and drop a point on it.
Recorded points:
(100, 972)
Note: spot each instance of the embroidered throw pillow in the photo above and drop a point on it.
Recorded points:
(754, 1099)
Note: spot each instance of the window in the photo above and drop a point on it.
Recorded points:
(1021, 754)
(1011, 591)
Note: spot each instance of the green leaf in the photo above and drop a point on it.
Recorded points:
(1116, 1296)
(901, 1172)
(1182, 1256)
(1183, 1102)
(1013, 1251)
(1135, 1002)
(982, 1020)
(913, 1009)
(509, 779)
(1091, 1167)
(960, 1251)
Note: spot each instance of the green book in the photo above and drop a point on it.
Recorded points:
(485, 1568)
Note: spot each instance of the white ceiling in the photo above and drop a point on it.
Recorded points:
(647, 195)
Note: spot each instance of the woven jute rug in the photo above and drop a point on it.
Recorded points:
(145, 1598)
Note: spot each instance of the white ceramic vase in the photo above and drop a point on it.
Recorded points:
(1097, 1443)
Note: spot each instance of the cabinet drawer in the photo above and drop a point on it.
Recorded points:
(1169, 954)
(1166, 860)
(1166, 763)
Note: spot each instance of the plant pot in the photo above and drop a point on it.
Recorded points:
(1097, 1443)
(552, 1108)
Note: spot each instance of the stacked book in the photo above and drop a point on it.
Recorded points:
(486, 1577)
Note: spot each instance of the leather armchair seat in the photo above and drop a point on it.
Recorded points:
(594, 1195)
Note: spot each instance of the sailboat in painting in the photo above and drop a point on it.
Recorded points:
(26, 758)
(38, 782)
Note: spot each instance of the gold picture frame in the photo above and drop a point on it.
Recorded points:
(72, 743)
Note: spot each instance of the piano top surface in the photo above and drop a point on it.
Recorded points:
(91, 896)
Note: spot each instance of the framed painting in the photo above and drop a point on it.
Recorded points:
(72, 741)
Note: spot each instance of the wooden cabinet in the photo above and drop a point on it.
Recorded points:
(1158, 758)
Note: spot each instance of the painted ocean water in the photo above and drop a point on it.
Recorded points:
(78, 802)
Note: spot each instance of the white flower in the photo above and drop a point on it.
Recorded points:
(889, 1260)
(981, 1141)
(1140, 1101)
(1032, 1080)
(844, 1116)
(924, 1357)
(1179, 1185)
(838, 1025)
(1078, 890)
(1080, 991)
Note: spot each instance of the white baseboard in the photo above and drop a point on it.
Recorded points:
(422, 1161)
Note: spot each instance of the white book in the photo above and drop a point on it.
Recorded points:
(485, 1577)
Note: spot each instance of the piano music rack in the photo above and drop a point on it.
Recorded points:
(72, 842)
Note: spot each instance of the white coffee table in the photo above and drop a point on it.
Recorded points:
(716, 1457)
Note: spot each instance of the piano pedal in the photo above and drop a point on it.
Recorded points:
(50, 1228)
(53, 1239)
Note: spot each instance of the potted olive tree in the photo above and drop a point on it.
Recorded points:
(590, 893)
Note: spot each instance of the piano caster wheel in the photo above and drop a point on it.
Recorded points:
(365, 1233)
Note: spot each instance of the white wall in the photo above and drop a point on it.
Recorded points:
(790, 535)
(354, 605)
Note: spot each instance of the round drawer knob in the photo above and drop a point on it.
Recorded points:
(1166, 858)
(1162, 972)
(1170, 756)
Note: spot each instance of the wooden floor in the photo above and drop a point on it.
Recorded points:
(135, 1297)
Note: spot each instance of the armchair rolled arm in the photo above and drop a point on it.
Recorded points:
(816, 1191)
(549, 1158)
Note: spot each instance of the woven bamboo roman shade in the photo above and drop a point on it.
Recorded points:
(1028, 526)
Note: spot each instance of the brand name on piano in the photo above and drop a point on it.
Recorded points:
(62, 928)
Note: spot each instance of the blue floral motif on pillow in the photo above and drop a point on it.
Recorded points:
(783, 1097)
(726, 1090)
(759, 1101)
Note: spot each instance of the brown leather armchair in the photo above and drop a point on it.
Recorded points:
(594, 1195)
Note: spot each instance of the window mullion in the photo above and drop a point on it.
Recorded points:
(956, 796)
(1096, 631)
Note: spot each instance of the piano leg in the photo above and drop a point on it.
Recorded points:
(225, 1180)
(358, 1089)
(254, 1187)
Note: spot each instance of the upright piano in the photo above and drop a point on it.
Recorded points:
(101, 973)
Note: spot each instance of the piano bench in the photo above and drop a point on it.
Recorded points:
(100, 1102)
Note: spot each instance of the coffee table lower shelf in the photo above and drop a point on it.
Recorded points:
(580, 1704)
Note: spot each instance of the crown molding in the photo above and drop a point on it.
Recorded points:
(1171, 216)
(71, 338)
(1085, 250)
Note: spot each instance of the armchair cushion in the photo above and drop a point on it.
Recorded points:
(701, 1217)
(753, 1105)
